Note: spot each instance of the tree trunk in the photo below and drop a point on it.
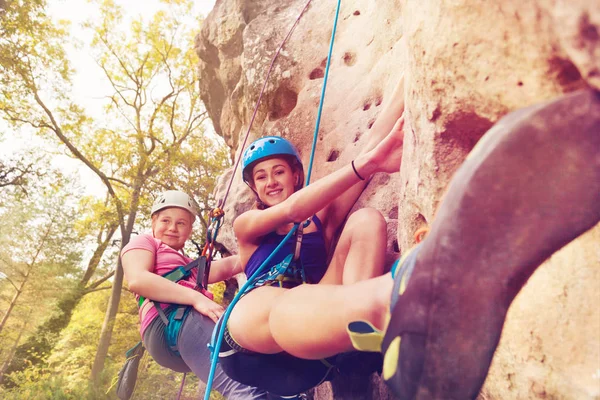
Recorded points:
(12, 351)
(14, 300)
(107, 326)
(111, 311)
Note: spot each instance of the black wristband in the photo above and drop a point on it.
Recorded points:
(356, 172)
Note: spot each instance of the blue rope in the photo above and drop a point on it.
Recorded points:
(214, 347)
(318, 124)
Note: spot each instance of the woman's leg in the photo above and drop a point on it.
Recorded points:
(310, 321)
(249, 320)
(360, 250)
(359, 255)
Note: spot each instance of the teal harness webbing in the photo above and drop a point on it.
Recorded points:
(177, 312)
(214, 347)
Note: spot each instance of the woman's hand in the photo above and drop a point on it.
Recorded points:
(388, 154)
(207, 307)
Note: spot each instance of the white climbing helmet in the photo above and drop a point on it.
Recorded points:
(173, 198)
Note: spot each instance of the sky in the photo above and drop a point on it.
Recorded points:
(89, 84)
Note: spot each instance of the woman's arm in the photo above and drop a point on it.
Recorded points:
(335, 213)
(137, 267)
(385, 157)
(224, 268)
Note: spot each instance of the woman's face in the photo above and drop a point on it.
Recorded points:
(274, 180)
(172, 226)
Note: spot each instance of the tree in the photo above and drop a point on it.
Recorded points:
(15, 172)
(38, 255)
(152, 117)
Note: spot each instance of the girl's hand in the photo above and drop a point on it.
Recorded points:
(209, 308)
(388, 154)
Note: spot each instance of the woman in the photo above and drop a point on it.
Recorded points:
(149, 256)
(273, 170)
(530, 187)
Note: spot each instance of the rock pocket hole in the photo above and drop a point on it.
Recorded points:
(333, 155)
(316, 73)
(566, 73)
(284, 101)
(349, 59)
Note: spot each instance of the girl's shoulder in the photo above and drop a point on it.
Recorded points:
(145, 241)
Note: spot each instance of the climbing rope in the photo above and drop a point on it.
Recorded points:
(260, 97)
(216, 220)
(214, 347)
(181, 386)
(325, 78)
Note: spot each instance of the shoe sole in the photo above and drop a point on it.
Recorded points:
(531, 186)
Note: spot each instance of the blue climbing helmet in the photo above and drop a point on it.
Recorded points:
(269, 147)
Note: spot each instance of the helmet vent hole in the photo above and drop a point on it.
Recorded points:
(271, 141)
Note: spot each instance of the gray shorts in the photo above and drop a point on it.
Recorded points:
(195, 334)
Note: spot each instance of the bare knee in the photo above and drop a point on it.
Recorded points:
(367, 222)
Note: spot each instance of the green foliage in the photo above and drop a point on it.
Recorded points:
(39, 255)
(37, 383)
(218, 290)
(151, 138)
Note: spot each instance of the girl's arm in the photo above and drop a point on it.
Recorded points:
(224, 268)
(137, 267)
(335, 213)
(252, 225)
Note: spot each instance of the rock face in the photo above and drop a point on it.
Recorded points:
(466, 63)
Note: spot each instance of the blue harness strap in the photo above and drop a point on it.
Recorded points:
(172, 328)
(286, 272)
(177, 313)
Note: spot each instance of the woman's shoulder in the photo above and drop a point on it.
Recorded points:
(241, 222)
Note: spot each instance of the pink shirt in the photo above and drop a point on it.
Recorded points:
(166, 259)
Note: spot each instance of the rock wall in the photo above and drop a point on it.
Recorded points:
(466, 63)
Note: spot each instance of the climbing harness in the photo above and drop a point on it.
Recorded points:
(174, 315)
(290, 271)
(215, 344)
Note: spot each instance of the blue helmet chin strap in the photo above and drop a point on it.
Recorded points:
(214, 346)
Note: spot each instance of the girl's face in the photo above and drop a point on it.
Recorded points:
(172, 226)
(274, 180)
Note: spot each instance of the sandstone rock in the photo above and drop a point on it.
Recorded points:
(466, 64)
